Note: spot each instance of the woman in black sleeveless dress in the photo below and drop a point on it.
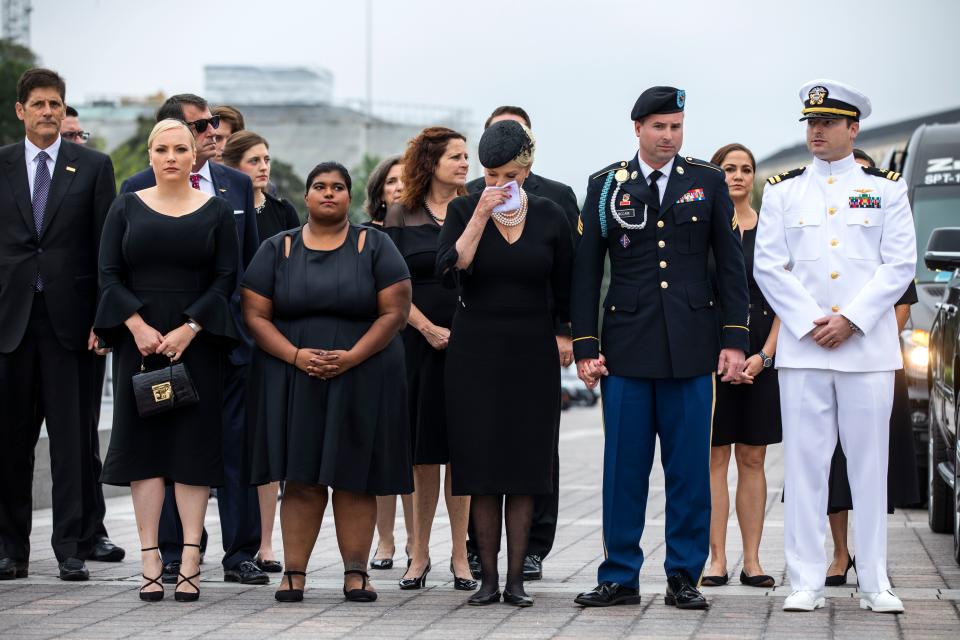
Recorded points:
(746, 416)
(503, 366)
(325, 304)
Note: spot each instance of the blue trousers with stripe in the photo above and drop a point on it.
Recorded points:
(635, 412)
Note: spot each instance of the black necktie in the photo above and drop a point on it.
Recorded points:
(655, 188)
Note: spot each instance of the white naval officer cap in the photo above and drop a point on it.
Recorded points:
(831, 99)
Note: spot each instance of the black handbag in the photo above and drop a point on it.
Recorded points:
(164, 389)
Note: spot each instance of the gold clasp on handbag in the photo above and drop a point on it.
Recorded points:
(162, 392)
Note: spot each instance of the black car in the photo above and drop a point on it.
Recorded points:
(943, 507)
(930, 164)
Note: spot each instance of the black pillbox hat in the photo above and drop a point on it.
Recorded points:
(501, 142)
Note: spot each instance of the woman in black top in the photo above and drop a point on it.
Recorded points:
(434, 172)
(384, 189)
(248, 152)
(507, 265)
(902, 489)
(325, 305)
(747, 414)
(168, 261)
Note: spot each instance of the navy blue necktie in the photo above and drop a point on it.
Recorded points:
(41, 189)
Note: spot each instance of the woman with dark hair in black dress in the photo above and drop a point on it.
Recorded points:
(747, 413)
(508, 252)
(325, 304)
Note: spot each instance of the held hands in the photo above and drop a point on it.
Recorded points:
(730, 365)
(146, 337)
(753, 366)
(438, 337)
(319, 363)
(831, 331)
(565, 347)
(175, 342)
(492, 197)
(589, 370)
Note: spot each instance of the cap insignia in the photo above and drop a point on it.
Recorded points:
(817, 95)
(681, 98)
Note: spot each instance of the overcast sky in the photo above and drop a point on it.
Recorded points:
(576, 66)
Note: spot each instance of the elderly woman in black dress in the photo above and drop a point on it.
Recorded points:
(325, 304)
(168, 262)
(508, 251)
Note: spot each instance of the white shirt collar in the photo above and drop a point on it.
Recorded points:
(33, 150)
(205, 172)
(833, 168)
(646, 169)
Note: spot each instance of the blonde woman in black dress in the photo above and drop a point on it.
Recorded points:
(507, 264)
(747, 415)
(168, 265)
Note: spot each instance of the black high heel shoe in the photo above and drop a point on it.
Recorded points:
(188, 596)
(484, 599)
(291, 594)
(462, 584)
(407, 584)
(381, 563)
(362, 594)
(841, 579)
(151, 596)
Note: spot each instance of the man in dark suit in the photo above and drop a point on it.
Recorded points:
(237, 500)
(103, 549)
(54, 198)
(658, 215)
(543, 528)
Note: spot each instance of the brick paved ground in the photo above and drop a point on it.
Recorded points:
(107, 606)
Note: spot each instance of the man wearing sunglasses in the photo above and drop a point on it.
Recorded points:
(70, 129)
(236, 500)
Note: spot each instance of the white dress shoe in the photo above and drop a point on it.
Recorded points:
(804, 601)
(881, 602)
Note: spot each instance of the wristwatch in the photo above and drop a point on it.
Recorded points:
(193, 326)
(767, 360)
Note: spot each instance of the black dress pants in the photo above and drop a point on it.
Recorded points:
(100, 506)
(237, 498)
(41, 381)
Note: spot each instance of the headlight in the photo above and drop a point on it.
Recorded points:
(919, 357)
(916, 351)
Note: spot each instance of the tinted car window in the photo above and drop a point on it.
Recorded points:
(934, 207)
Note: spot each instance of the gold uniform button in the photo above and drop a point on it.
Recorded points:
(694, 218)
(835, 308)
(663, 264)
(659, 224)
(661, 244)
(832, 210)
(800, 221)
(834, 242)
(834, 275)
(866, 221)
(830, 180)
(664, 285)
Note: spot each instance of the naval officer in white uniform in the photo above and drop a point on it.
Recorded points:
(835, 249)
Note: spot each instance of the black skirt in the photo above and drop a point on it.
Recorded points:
(750, 414)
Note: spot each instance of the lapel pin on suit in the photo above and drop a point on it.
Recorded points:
(222, 190)
(71, 169)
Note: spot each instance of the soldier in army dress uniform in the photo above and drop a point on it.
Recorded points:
(657, 215)
(835, 251)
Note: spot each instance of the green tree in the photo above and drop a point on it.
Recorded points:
(131, 156)
(289, 185)
(360, 175)
(14, 60)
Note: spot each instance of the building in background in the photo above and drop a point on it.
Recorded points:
(16, 21)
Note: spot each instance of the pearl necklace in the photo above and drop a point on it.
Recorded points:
(519, 215)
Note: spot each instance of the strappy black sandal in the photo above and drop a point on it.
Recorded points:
(187, 596)
(151, 596)
(291, 594)
(362, 594)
